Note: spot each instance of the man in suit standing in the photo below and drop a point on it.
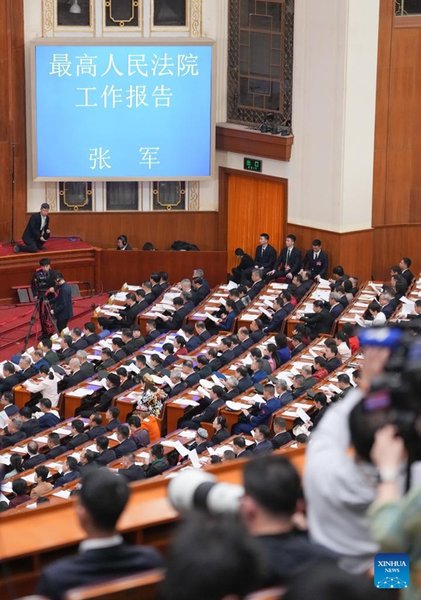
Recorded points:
(316, 260)
(63, 308)
(404, 264)
(103, 554)
(36, 231)
(289, 261)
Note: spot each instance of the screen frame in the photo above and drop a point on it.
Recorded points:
(65, 41)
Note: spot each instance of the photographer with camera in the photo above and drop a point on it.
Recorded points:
(43, 289)
(339, 486)
(44, 279)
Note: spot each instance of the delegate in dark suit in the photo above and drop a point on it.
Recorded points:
(291, 260)
(96, 565)
(265, 258)
(317, 265)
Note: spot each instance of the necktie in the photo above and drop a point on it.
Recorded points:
(288, 254)
(316, 255)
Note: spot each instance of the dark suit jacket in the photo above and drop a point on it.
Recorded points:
(56, 451)
(106, 399)
(210, 412)
(319, 322)
(267, 259)
(244, 383)
(94, 566)
(192, 379)
(318, 266)
(302, 289)
(200, 294)
(204, 336)
(113, 424)
(78, 439)
(277, 319)
(87, 368)
(92, 339)
(11, 410)
(63, 308)
(408, 275)
(125, 447)
(281, 439)
(52, 357)
(177, 389)
(66, 478)
(33, 461)
(294, 261)
(96, 431)
(80, 344)
(105, 457)
(71, 380)
(227, 356)
(133, 473)
(255, 289)
(333, 364)
(193, 343)
(156, 467)
(27, 373)
(336, 310)
(263, 447)
(33, 232)
(14, 438)
(30, 427)
(67, 353)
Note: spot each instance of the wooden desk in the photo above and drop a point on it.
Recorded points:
(29, 548)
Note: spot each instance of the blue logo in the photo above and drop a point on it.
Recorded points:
(391, 571)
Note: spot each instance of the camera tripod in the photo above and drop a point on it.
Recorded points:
(43, 309)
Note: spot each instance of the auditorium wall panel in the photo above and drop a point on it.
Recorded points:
(134, 267)
(102, 229)
(353, 250)
(397, 176)
(12, 115)
(391, 242)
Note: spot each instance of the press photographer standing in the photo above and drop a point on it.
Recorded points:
(63, 308)
(43, 289)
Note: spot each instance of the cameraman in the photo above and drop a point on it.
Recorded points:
(63, 308)
(340, 486)
(42, 285)
(44, 279)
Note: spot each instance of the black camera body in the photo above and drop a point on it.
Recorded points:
(395, 397)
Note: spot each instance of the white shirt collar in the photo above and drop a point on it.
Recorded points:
(99, 543)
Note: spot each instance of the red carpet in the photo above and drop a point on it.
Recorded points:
(14, 323)
(55, 244)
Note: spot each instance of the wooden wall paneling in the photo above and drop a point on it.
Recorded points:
(398, 118)
(161, 228)
(12, 114)
(136, 266)
(232, 138)
(254, 204)
(353, 250)
(391, 243)
(77, 265)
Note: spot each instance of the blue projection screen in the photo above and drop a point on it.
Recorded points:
(118, 111)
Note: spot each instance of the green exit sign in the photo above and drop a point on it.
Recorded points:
(253, 164)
